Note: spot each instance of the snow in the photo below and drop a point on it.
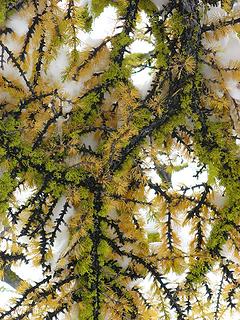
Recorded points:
(22, 194)
(208, 72)
(9, 71)
(214, 15)
(72, 88)
(123, 262)
(215, 44)
(185, 237)
(134, 283)
(236, 6)
(230, 52)
(58, 66)
(74, 312)
(226, 48)
(218, 198)
(103, 26)
(233, 88)
(7, 293)
(160, 3)
(228, 252)
(85, 2)
(28, 272)
(142, 81)
(141, 46)
(73, 160)
(90, 140)
(185, 177)
(12, 44)
(62, 238)
(113, 214)
(18, 24)
(66, 107)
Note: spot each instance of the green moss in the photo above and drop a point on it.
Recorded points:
(2, 152)
(51, 166)
(219, 235)
(212, 173)
(198, 271)
(141, 118)
(134, 60)
(161, 47)
(153, 237)
(32, 177)
(148, 6)
(56, 189)
(167, 128)
(186, 97)
(88, 101)
(77, 120)
(38, 156)
(84, 193)
(119, 42)
(103, 250)
(162, 54)
(84, 265)
(75, 175)
(7, 185)
(3, 11)
(113, 73)
(86, 312)
(176, 23)
(84, 19)
(99, 6)
(216, 148)
(4, 5)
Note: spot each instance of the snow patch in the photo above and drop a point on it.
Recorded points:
(28, 272)
(214, 14)
(62, 239)
(72, 88)
(236, 6)
(124, 262)
(219, 199)
(185, 177)
(12, 44)
(18, 25)
(103, 26)
(72, 160)
(160, 3)
(226, 49)
(85, 2)
(58, 66)
(7, 293)
(233, 87)
(89, 139)
(142, 81)
(112, 214)
(141, 46)
(216, 44)
(230, 53)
